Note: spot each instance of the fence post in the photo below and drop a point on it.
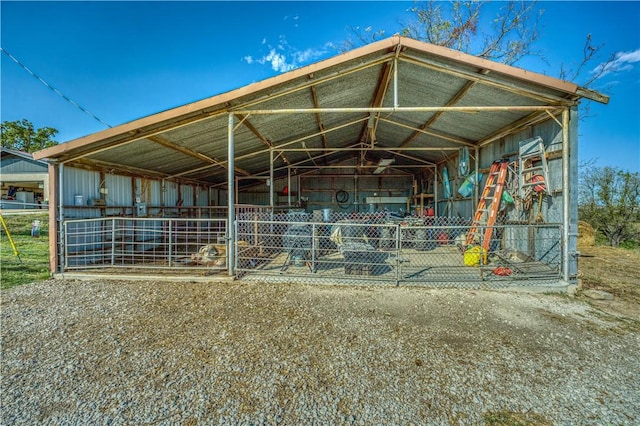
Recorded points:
(398, 263)
(113, 242)
(170, 240)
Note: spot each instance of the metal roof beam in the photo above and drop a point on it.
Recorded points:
(191, 153)
(381, 90)
(454, 100)
(440, 135)
(316, 104)
(245, 120)
(534, 118)
(410, 157)
(125, 170)
(489, 81)
(368, 148)
(481, 108)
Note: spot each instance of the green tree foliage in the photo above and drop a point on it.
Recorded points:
(22, 136)
(610, 202)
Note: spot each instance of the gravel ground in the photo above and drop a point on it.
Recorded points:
(111, 352)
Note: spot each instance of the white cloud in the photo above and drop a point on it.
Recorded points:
(622, 61)
(278, 61)
(284, 57)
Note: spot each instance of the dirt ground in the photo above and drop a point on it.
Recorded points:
(616, 271)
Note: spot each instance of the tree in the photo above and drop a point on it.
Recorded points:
(506, 36)
(22, 136)
(457, 25)
(609, 199)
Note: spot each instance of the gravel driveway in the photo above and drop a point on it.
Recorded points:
(112, 352)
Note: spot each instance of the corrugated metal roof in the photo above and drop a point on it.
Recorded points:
(190, 142)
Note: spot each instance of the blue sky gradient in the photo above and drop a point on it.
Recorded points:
(126, 60)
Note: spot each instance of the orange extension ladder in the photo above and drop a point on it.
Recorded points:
(492, 191)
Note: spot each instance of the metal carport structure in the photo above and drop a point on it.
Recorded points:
(397, 98)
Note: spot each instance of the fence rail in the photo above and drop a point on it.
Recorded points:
(145, 243)
(297, 246)
(379, 248)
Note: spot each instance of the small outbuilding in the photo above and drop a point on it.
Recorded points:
(24, 181)
(398, 162)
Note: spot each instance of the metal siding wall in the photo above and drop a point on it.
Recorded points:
(551, 134)
(79, 182)
(203, 196)
(261, 199)
(573, 182)
(119, 188)
(187, 195)
(171, 194)
(223, 197)
(156, 193)
(11, 164)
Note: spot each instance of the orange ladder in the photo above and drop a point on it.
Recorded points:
(492, 191)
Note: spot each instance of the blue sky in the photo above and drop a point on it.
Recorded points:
(126, 60)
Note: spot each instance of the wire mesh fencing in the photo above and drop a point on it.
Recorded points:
(331, 248)
(380, 248)
(145, 243)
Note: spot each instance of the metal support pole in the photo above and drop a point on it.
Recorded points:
(435, 191)
(113, 243)
(163, 196)
(170, 239)
(271, 200)
(289, 186)
(474, 204)
(566, 199)
(395, 83)
(61, 231)
(398, 230)
(231, 201)
(356, 207)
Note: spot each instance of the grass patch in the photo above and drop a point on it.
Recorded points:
(509, 418)
(33, 262)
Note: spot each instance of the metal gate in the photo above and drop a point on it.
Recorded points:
(145, 243)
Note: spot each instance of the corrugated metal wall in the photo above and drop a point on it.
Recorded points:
(122, 192)
(549, 131)
(13, 164)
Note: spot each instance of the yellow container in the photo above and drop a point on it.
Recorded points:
(473, 256)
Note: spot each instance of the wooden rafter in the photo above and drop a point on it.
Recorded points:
(87, 164)
(192, 153)
(245, 120)
(378, 97)
(454, 100)
(436, 133)
(316, 104)
(512, 127)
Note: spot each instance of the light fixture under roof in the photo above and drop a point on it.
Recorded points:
(383, 164)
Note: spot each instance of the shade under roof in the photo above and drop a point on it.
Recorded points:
(397, 95)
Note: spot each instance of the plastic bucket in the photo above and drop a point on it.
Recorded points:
(473, 256)
(78, 200)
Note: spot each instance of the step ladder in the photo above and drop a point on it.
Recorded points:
(492, 193)
(530, 149)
